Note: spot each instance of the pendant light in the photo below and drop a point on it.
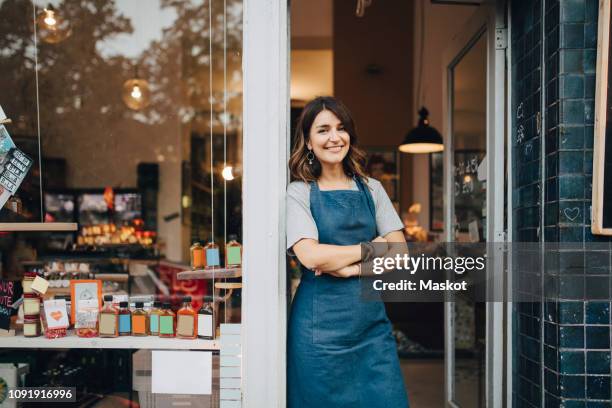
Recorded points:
(52, 27)
(136, 94)
(423, 138)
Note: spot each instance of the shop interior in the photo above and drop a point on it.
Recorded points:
(384, 60)
(131, 112)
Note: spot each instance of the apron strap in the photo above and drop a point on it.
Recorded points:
(365, 190)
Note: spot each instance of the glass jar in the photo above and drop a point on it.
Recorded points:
(31, 326)
(26, 283)
(31, 305)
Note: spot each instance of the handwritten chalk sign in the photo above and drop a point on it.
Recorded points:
(7, 295)
(602, 145)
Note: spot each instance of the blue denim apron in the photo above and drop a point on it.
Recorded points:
(340, 350)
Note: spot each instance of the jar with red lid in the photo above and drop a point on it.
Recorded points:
(31, 305)
(31, 326)
(26, 283)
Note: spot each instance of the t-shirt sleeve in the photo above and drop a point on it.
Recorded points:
(387, 219)
(300, 223)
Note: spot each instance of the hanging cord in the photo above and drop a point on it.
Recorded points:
(421, 54)
(40, 165)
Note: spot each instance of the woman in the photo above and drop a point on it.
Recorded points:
(341, 352)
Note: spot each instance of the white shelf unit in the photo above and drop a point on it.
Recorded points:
(122, 342)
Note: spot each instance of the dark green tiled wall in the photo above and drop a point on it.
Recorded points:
(572, 328)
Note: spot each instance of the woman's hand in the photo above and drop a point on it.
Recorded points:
(346, 272)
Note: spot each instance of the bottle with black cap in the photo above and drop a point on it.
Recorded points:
(108, 319)
(154, 314)
(166, 321)
(206, 322)
(125, 319)
(140, 320)
(186, 320)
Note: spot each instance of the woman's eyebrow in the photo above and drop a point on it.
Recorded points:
(323, 125)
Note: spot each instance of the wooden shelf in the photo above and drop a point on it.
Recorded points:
(220, 273)
(124, 342)
(38, 226)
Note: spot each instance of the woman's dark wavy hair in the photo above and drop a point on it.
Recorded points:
(353, 163)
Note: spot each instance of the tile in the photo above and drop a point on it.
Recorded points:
(590, 35)
(598, 362)
(572, 35)
(572, 212)
(588, 162)
(598, 387)
(572, 10)
(573, 111)
(571, 137)
(572, 86)
(571, 187)
(571, 336)
(589, 86)
(551, 359)
(572, 386)
(597, 313)
(591, 10)
(571, 362)
(571, 312)
(597, 288)
(597, 337)
(571, 61)
(571, 162)
(551, 382)
(571, 234)
(590, 60)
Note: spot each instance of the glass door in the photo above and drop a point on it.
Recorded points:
(474, 172)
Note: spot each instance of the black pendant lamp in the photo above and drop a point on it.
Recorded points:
(423, 138)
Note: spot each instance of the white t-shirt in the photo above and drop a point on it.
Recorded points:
(301, 224)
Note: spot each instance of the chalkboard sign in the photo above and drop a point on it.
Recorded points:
(8, 290)
(602, 146)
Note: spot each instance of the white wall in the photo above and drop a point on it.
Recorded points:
(441, 23)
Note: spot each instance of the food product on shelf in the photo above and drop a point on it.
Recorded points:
(109, 318)
(206, 322)
(154, 314)
(186, 320)
(233, 252)
(198, 256)
(166, 321)
(31, 326)
(212, 255)
(125, 319)
(140, 321)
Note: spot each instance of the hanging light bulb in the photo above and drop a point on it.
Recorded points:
(52, 28)
(227, 173)
(136, 94)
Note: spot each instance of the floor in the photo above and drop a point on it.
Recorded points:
(425, 382)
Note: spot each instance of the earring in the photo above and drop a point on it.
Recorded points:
(310, 157)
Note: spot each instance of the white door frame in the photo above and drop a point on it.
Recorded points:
(266, 143)
(486, 21)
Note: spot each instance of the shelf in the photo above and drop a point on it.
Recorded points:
(38, 226)
(220, 273)
(125, 342)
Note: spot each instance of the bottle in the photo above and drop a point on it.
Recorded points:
(125, 319)
(186, 320)
(166, 321)
(212, 255)
(233, 252)
(140, 320)
(206, 322)
(198, 256)
(154, 314)
(108, 324)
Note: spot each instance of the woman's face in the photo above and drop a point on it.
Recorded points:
(328, 139)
